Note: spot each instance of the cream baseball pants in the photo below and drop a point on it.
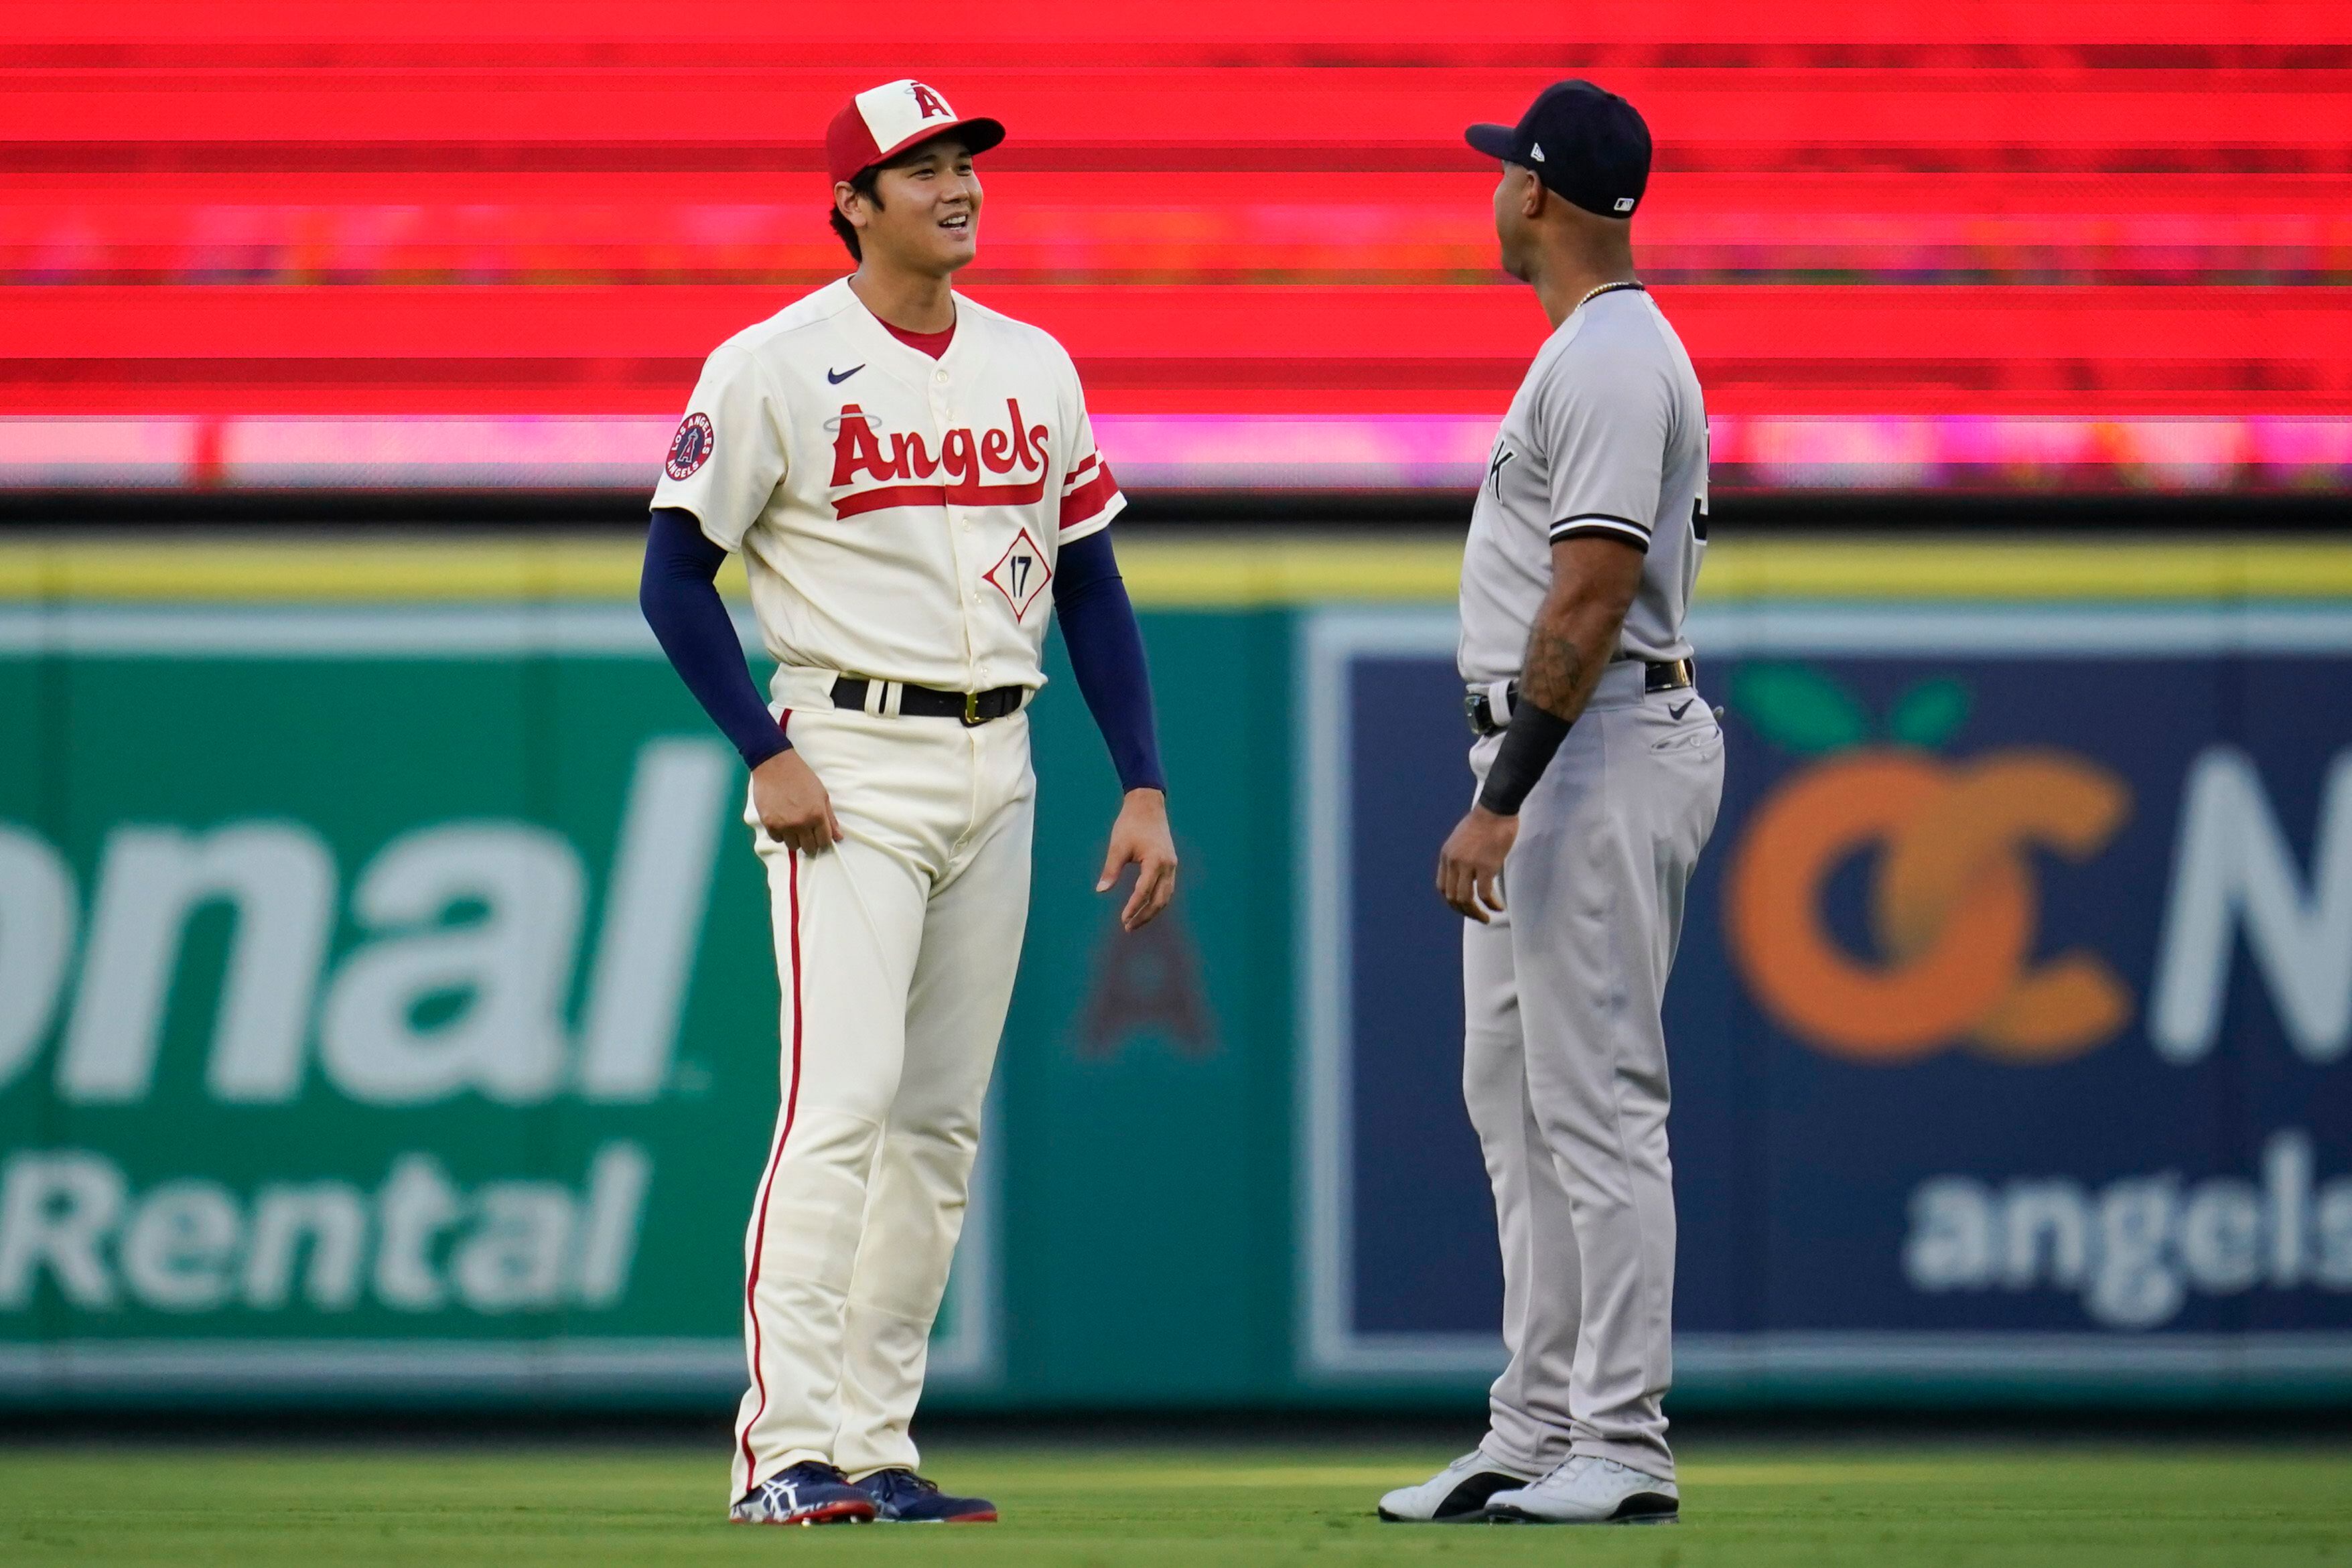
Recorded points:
(1564, 1069)
(896, 949)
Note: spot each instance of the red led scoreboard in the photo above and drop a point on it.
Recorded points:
(2059, 245)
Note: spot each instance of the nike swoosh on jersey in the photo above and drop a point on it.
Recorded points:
(837, 377)
(1678, 712)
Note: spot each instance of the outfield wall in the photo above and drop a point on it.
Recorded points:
(386, 1007)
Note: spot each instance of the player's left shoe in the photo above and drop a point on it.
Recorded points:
(1588, 1490)
(902, 1497)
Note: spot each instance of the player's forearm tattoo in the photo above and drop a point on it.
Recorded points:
(1552, 676)
(1567, 647)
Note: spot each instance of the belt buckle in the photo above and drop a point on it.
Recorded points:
(1479, 712)
(971, 710)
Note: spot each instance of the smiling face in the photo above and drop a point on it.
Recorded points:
(928, 219)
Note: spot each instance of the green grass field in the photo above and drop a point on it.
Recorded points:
(1807, 1505)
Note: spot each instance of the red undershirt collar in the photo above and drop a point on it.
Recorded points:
(931, 343)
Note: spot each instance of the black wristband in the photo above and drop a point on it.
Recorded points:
(1528, 746)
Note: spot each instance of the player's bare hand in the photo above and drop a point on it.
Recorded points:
(792, 805)
(1142, 836)
(1470, 866)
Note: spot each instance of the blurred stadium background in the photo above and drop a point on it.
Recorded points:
(385, 1010)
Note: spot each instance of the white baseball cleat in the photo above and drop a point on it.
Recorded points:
(1589, 1491)
(1454, 1495)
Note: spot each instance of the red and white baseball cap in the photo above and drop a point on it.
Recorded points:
(884, 122)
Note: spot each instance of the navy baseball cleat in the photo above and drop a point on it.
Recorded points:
(810, 1493)
(902, 1497)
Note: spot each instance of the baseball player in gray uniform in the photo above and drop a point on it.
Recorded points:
(1600, 768)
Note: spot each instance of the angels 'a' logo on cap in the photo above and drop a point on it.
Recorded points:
(884, 122)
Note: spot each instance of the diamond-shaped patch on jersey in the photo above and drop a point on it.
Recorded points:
(1021, 576)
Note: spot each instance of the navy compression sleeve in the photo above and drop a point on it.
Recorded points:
(1107, 656)
(681, 603)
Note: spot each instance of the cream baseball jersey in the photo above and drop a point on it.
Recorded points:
(899, 516)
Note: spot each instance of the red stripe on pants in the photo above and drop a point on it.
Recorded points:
(767, 1183)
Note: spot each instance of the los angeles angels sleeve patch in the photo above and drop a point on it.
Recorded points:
(690, 449)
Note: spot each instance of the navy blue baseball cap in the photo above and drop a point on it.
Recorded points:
(1583, 141)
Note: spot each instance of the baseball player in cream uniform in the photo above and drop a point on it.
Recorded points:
(1600, 773)
(904, 472)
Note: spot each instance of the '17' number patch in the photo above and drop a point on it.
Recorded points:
(1021, 576)
(690, 449)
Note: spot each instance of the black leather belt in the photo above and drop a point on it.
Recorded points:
(1671, 676)
(921, 702)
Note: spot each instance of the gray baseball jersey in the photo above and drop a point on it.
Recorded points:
(1607, 435)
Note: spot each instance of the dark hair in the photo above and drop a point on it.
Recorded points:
(867, 182)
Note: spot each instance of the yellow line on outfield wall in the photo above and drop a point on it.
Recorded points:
(313, 570)
(1222, 572)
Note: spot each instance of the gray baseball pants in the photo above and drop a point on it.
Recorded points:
(1564, 1069)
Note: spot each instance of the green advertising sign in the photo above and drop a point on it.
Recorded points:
(388, 1011)
(386, 1005)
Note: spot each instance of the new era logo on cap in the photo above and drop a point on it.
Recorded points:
(883, 121)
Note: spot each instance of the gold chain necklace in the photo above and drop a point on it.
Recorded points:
(1606, 288)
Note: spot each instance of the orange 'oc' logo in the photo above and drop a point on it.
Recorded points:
(1953, 905)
